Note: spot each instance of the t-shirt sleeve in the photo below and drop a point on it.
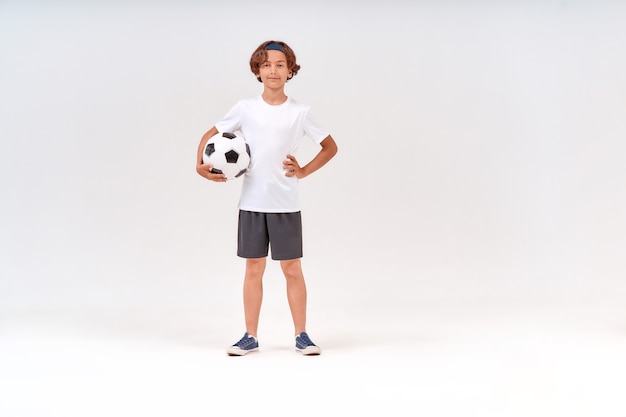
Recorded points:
(313, 129)
(231, 122)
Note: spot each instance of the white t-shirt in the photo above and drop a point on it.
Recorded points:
(272, 132)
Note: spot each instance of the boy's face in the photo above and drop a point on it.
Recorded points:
(274, 72)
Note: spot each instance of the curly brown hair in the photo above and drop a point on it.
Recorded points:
(259, 56)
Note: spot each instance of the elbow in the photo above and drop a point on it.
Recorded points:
(330, 146)
(333, 150)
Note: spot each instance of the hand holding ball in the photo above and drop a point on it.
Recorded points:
(228, 153)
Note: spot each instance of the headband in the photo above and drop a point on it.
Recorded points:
(274, 47)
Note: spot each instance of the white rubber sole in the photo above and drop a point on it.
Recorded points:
(311, 350)
(235, 351)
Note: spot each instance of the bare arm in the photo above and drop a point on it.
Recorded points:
(328, 151)
(203, 169)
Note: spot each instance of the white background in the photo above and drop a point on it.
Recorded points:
(468, 238)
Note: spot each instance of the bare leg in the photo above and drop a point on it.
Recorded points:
(253, 293)
(296, 292)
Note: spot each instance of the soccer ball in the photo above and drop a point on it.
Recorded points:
(228, 153)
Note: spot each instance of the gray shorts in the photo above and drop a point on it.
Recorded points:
(258, 231)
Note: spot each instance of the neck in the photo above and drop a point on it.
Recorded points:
(274, 97)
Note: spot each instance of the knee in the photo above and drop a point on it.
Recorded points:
(291, 268)
(255, 266)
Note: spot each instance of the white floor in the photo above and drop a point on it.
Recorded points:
(483, 358)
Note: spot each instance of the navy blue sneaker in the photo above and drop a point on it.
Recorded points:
(244, 346)
(305, 345)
